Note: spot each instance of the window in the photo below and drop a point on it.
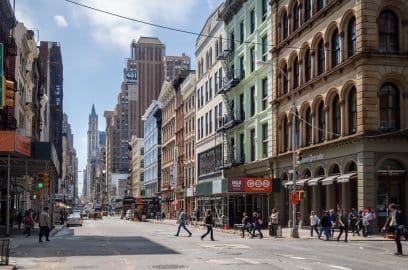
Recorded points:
(199, 129)
(252, 110)
(241, 32)
(206, 124)
(389, 107)
(215, 82)
(242, 147)
(252, 21)
(308, 9)
(351, 37)
(217, 52)
(252, 59)
(202, 96)
(216, 115)
(264, 140)
(220, 114)
(285, 79)
(335, 48)
(308, 127)
(198, 98)
(210, 120)
(295, 73)
(319, 4)
(232, 144)
(210, 88)
(321, 122)
(242, 67)
(264, 48)
(252, 132)
(264, 93)
(308, 66)
(320, 58)
(220, 78)
(241, 106)
(202, 126)
(336, 117)
(388, 32)
(232, 41)
(264, 9)
(352, 111)
(295, 17)
(206, 92)
(285, 24)
(285, 135)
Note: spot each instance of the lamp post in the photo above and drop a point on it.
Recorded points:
(294, 232)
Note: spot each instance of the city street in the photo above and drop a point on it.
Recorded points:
(112, 243)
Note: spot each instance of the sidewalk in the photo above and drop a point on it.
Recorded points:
(18, 238)
(304, 233)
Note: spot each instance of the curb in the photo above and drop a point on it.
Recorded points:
(56, 230)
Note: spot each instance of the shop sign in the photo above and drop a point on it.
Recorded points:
(252, 185)
(312, 158)
(217, 186)
(189, 192)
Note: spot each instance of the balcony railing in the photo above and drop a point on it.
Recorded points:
(230, 121)
(232, 79)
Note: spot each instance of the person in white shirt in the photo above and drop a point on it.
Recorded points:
(314, 223)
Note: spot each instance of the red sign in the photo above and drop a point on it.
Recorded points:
(294, 198)
(252, 185)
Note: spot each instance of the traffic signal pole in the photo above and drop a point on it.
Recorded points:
(294, 232)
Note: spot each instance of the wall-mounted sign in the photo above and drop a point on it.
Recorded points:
(130, 75)
(253, 185)
(311, 158)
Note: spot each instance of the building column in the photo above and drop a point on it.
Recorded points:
(366, 182)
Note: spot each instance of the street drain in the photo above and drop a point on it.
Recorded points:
(169, 266)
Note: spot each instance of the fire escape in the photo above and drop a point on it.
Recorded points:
(232, 116)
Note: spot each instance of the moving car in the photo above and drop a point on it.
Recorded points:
(74, 219)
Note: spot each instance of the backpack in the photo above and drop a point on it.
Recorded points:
(28, 221)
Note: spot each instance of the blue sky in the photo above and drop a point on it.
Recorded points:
(94, 46)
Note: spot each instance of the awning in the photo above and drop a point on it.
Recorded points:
(299, 182)
(329, 180)
(345, 178)
(314, 181)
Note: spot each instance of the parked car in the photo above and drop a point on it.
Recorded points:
(74, 219)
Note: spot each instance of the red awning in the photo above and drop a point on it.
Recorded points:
(14, 143)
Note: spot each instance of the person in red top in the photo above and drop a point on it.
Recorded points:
(28, 223)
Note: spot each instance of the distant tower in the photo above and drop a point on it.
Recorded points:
(93, 135)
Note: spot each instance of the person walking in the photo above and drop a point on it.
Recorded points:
(256, 225)
(28, 223)
(182, 220)
(343, 225)
(246, 225)
(209, 223)
(19, 219)
(273, 222)
(314, 223)
(44, 222)
(353, 221)
(394, 222)
(326, 225)
(333, 219)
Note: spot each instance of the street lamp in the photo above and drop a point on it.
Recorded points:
(294, 232)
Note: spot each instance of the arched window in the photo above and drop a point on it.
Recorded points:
(352, 111)
(308, 66)
(308, 9)
(320, 58)
(220, 45)
(351, 37)
(388, 32)
(285, 135)
(389, 107)
(308, 127)
(321, 122)
(295, 17)
(285, 85)
(285, 25)
(335, 50)
(336, 117)
(216, 48)
(295, 73)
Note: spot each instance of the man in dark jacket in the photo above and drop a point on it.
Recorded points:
(209, 223)
(326, 225)
(394, 222)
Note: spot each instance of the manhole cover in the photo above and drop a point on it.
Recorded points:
(169, 266)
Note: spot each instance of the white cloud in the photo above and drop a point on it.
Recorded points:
(118, 32)
(60, 21)
(24, 15)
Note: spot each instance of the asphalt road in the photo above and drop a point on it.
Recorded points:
(115, 244)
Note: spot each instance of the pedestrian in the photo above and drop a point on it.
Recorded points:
(394, 223)
(314, 223)
(273, 222)
(62, 218)
(353, 221)
(182, 220)
(19, 219)
(343, 225)
(12, 216)
(333, 219)
(28, 223)
(256, 225)
(44, 222)
(209, 224)
(246, 225)
(326, 225)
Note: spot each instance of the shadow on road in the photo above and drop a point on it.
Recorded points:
(92, 245)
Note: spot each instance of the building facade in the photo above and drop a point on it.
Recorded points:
(175, 65)
(246, 128)
(137, 167)
(344, 64)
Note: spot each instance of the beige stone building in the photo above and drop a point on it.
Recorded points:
(345, 65)
(137, 167)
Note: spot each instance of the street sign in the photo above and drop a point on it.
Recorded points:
(294, 198)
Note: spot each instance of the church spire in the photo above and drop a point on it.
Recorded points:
(93, 113)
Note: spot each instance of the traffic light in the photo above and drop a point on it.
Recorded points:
(41, 180)
(298, 158)
(7, 93)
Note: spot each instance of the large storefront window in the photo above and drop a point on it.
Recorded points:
(209, 160)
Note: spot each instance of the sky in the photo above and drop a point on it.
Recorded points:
(94, 47)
